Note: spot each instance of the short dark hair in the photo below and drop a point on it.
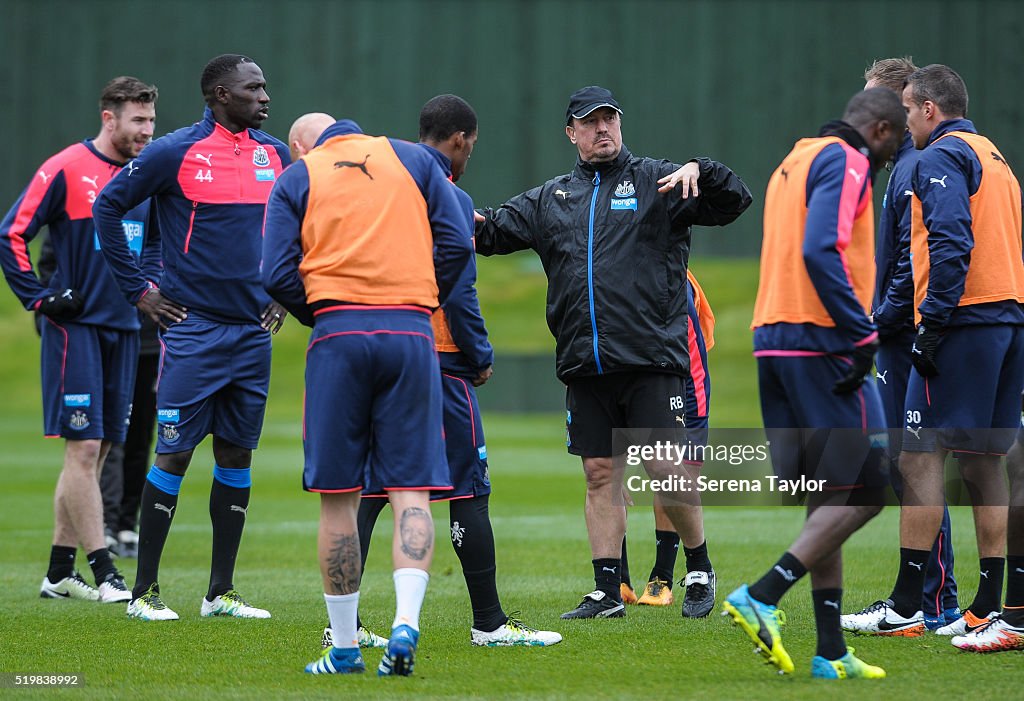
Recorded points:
(943, 86)
(875, 105)
(217, 68)
(445, 115)
(891, 73)
(125, 88)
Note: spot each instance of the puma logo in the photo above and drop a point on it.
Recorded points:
(786, 574)
(681, 420)
(940, 181)
(915, 431)
(91, 181)
(205, 159)
(881, 376)
(984, 573)
(244, 510)
(784, 173)
(563, 193)
(918, 565)
(908, 193)
(999, 159)
(352, 164)
(169, 510)
(832, 604)
(856, 176)
(608, 569)
(132, 168)
(44, 176)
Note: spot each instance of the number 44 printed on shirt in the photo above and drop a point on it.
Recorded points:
(204, 177)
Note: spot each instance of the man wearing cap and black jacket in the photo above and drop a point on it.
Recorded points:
(615, 251)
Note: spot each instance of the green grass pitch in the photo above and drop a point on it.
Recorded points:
(543, 567)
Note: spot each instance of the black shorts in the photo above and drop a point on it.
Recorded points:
(596, 406)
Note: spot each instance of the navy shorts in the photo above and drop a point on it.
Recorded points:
(88, 377)
(463, 441)
(372, 412)
(892, 372)
(973, 404)
(817, 434)
(463, 444)
(213, 379)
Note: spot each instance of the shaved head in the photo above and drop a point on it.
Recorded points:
(305, 131)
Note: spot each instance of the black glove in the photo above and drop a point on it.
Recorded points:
(922, 355)
(62, 306)
(862, 358)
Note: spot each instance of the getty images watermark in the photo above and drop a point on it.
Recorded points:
(748, 467)
(789, 466)
(678, 455)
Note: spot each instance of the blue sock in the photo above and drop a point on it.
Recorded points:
(164, 481)
(237, 477)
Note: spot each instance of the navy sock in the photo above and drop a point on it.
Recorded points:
(666, 549)
(102, 566)
(777, 581)
(473, 540)
(1013, 610)
(827, 607)
(159, 502)
(906, 595)
(607, 578)
(62, 563)
(990, 586)
(624, 565)
(697, 558)
(229, 505)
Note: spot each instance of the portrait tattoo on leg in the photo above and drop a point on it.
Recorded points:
(417, 532)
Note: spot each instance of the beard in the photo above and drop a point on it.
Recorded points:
(126, 146)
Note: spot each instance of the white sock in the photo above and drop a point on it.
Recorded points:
(342, 610)
(410, 588)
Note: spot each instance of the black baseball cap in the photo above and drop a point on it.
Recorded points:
(586, 100)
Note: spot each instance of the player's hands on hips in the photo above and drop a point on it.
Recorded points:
(160, 309)
(272, 318)
(862, 358)
(483, 376)
(686, 177)
(922, 354)
(62, 306)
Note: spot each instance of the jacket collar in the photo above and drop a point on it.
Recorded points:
(442, 160)
(847, 133)
(222, 132)
(586, 170)
(96, 152)
(949, 125)
(905, 147)
(343, 127)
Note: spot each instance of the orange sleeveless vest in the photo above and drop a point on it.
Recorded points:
(366, 237)
(996, 271)
(785, 293)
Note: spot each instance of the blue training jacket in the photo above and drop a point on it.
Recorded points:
(946, 210)
(209, 188)
(60, 197)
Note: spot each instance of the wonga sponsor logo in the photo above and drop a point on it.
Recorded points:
(168, 415)
(77, 400)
